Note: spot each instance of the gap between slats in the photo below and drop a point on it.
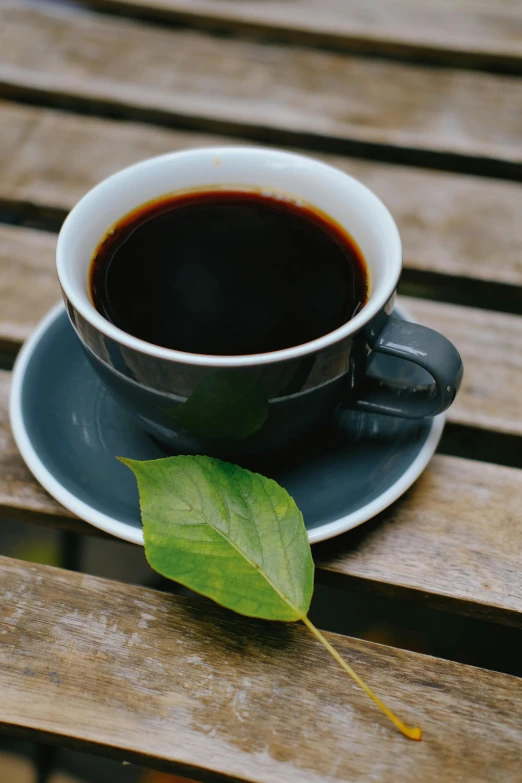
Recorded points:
(452, 226)
(453, 541)
(458, 35)
(489, 342)
(139, 674)
(460, 120)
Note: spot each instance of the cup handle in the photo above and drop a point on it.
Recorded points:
(426, 348)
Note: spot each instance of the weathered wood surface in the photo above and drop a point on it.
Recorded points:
(489, 342)
(76, 57)
(487, 34)
(451, 224)
(169, 682)
(21, 497)
(28, 283)
(20, 769)
(143, 675)
(490, 346)
(455, 540)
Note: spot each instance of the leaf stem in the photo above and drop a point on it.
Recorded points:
(412, 732)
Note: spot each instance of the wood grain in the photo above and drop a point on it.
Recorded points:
(50, 159)
(454, 541)
(28, 284)
(489, 342)
(77, 58)
(21, 497)
(171, 682)
(488, 34)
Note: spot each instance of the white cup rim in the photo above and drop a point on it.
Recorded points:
(94, 199)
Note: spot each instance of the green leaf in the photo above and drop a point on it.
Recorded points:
(227, 533)
(236, 537)
(227, 406)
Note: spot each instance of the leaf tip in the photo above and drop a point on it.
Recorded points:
(126, 461)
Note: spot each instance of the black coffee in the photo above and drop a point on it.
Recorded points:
(227, 272)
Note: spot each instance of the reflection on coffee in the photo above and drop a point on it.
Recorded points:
(227, 273)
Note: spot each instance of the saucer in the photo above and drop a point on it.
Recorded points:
(69, 431)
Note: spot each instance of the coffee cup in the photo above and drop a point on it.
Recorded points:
(255, 403)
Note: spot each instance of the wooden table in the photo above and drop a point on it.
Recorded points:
(421, 102)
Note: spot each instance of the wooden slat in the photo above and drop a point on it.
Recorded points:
(28, 284)
(167, 681)
(489, 342)
(75, 57)
(488, 33)
(450, 224)
(18, 769)
(490, 346)
(454, 541)
(20, 495)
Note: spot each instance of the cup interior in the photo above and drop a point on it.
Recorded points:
(303, 180)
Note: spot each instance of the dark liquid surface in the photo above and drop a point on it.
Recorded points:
(224, 272)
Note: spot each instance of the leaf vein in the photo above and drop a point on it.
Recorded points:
(285, 553)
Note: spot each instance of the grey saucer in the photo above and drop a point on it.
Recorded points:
(69, 431)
